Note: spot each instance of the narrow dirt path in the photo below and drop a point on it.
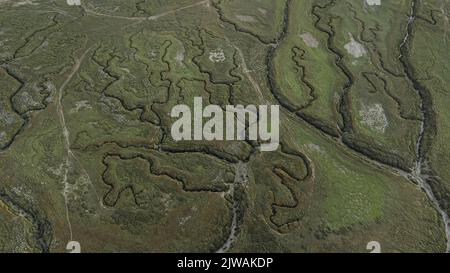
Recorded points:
(247, 73)
(154, 17)
(66, 134)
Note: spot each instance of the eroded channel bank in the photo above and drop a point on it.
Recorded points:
(428, 124)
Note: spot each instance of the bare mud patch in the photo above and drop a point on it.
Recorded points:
(217, 56)
(246, 18)
(309, 40)
(311, 147)
(23, 3)
(374, 117)
(354, 48)
(18, 3)
(2, 137)
(373, 2)
(74, 2)
(262, 11)
(6, 117)
(179, 58)
(80, 105)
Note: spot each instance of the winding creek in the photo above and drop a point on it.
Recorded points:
(417, 175)
(240, 179)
